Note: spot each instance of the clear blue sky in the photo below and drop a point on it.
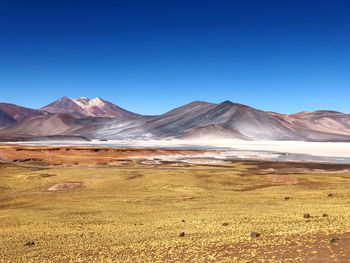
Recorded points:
(151, 56)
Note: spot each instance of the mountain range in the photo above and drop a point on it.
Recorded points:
(85, 118)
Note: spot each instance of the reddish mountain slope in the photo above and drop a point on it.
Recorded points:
(11, 114)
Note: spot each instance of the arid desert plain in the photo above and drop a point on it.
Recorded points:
(121, 204)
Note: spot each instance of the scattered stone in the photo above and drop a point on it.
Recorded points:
(334, 240)
(325, 215)
(286, 198)
(254, 235)
(65, 186)
(134, 176)
(48, 175)
(183, 221)
(225, 224)
(329, 195)
(182, 234)
(30, 243)
(307, 215)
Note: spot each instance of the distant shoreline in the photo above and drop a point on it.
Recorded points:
(283, 151)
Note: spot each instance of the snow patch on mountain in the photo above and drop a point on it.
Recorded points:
(85, 107)
(89, 105)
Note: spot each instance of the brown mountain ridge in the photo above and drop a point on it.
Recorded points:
(100, 119)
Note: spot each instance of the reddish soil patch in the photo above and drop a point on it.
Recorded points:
(283, 179)
(75, 156)
(65, 186)
(301, 248)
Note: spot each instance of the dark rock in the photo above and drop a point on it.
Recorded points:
(254, 235)
(334, 240)
(48, 175)
(287, 198)
(329, 195)
(307, 215)
(183, 221)
(325, 215)
(182, 234)
(30, 243)
(225, 224)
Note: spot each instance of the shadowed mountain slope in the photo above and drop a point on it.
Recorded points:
(6, 119)
(55, 124)
(171, 124)
(45, 125)
(227, 119)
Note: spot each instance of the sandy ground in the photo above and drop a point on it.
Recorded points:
(87, 204)
(236, 212)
